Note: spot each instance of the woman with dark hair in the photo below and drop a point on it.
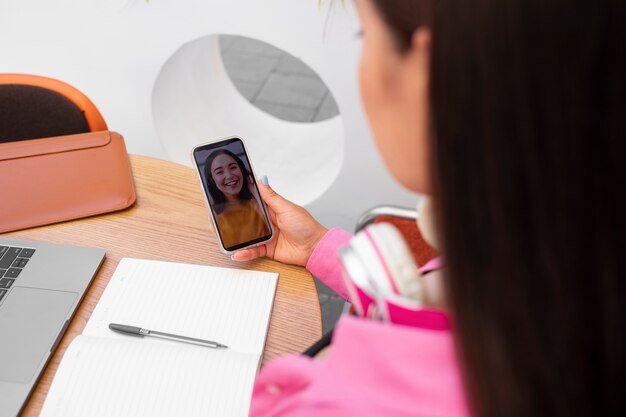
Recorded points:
(509, 114)
(238, 214)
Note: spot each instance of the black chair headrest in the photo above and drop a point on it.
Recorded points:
(30, 112)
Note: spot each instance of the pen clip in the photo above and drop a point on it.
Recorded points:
(132, 330)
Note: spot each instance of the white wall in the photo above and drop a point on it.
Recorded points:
(115, 50)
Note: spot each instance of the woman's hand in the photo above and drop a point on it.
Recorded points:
(296, 232)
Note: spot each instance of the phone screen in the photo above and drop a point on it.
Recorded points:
(236, 207)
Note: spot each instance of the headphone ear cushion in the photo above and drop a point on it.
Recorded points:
(386, 255)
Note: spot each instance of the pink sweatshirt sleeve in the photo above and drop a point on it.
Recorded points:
(324, 263)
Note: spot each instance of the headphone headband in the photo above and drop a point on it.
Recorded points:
(381, 275)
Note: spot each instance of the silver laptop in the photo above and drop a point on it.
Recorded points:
(41, 285)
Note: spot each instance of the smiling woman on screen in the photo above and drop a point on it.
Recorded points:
(238, 214)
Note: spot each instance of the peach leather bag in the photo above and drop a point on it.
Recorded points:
(63, 178)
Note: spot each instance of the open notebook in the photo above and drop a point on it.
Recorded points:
(104, 373)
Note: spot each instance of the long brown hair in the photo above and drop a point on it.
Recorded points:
(528, 102)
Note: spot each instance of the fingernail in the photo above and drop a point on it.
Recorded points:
(264, 180)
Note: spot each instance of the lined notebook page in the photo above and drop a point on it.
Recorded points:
(229, 306)
(109, 377)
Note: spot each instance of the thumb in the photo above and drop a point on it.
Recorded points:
(271, 198)
(249, 254)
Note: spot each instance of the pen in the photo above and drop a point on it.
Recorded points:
(138, 331)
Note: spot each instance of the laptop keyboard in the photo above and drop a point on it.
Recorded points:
(12, 260)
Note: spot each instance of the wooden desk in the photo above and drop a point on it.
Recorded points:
(170, 222)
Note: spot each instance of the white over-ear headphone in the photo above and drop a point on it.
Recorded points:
(381, 275)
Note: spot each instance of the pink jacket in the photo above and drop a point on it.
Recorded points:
(372, 369)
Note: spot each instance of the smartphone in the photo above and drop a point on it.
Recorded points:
(235, 205)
